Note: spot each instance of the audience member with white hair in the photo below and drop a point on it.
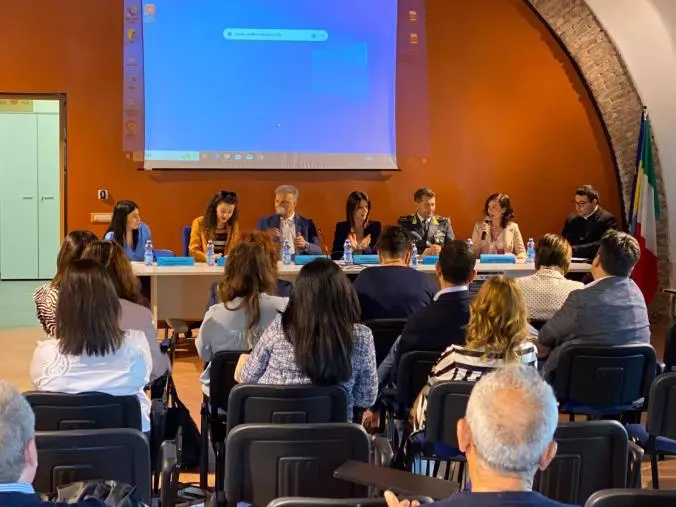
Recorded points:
(507, 436)
(18, 454)
(286, 225)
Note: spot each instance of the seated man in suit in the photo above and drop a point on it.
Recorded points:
(286, 225)
(430, 231)
(439, 325)
(18, 454)
(393, 290)
(507, 435)
(609, 311)
(585, 228)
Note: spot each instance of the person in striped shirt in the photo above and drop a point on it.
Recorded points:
(497, 334)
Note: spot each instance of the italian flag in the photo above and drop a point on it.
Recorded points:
(645, 212)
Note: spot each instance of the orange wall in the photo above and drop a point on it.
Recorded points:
(508, 114)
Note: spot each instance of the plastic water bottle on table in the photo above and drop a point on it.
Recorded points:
(286, 253)
(414, 256)
(530, 251)
(347, 252)
(211, 256)
(148, 254)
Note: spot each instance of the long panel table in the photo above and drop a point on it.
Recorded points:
(182, 292)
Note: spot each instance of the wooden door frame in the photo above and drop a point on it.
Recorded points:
(63, 145)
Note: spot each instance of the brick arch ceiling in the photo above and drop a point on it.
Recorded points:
(601, 66)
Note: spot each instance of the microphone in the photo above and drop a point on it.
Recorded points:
(483, 234)
(323, 240)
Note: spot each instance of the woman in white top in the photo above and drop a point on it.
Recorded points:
(134, 315)
(547, 289)
(497, 334)
(90, 351)
(498, 233)
(247, 307)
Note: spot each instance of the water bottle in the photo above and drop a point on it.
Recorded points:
(530, 251)
(414, 256)
(286, 253)
(347, 252)
(148, 254)
(211, 256)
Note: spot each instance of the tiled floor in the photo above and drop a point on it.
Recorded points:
(19, 332)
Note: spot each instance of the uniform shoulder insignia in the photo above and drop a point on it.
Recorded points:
(443, 219)
(406, 218)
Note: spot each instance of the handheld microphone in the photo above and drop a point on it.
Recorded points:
(483, 234)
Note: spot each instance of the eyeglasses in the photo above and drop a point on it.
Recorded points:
(580, 204)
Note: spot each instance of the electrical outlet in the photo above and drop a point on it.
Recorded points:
(102, 194)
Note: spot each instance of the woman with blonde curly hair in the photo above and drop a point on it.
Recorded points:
(497, 334)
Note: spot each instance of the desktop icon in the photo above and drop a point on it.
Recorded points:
(238, 157)
(413, 15)
(413, 38)
(131, 35)
(131, 127)
(150, 9)
(226, 156)
(249, 156)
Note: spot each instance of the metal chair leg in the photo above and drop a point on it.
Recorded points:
(655, 471)
(204, 434)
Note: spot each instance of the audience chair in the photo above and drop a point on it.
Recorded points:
(658, 436)
(537, 323)
(385, 333)
(187, 230)
(597, 380)
(446, 405)
(591, 456)
(80, 455)
(213, 413)
(60, 411)
(268, 461)
(414, 369)
(669, 355)
(631, 498)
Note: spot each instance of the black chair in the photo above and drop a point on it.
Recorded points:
(84, 411)
(446, 405)
(591, 456)
(277, 404)
(327, 502)
(80, 455)
(630, 498)
(385, 333)
(268, 461)
(537, 323)
(658, 436)
(597, 380)
(213, 413)
(669, 355)
(414, 369)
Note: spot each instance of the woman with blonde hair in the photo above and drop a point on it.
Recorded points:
(497, 334)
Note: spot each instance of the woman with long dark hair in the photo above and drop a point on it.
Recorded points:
(357, 228)
(218, 224)
(318, 339)
(247, 304)
(46, 296)
(128, 231)
(90, 352)
(127, 287)
(498, 233)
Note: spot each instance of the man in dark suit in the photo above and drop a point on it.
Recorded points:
(585, 228)
(286, 225)
(430, 231)
(609, 311)
(18, 454)
(438, 325)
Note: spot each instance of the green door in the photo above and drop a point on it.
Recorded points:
(18, 196)
(49, 207)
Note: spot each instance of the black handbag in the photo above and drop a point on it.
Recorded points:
(178, 416)
(112, 493)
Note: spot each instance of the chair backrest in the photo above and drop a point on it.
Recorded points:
(446, 405)
(669, 355)
(661, 419)
(385, 333)
(630, 498)
(60, 411)
(414, 368)
(268, 461)
(327, 502)
(604, 376)
(163, 253)
(187, 230)
(221, 382)
(80, 455)
(537, 323)
(284, 404)
(591, 456)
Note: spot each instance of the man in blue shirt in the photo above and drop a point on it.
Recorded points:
(18, 454)
(393, 290)
(507, 435)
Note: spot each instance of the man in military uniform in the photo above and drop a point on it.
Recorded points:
(429, 231)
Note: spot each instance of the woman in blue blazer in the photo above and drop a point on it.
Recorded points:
(362, 233)
(127, 229)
